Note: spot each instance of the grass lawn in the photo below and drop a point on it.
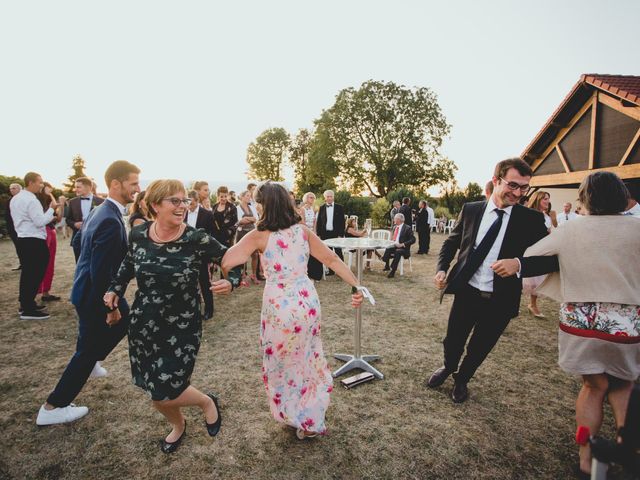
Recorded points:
(517, 424)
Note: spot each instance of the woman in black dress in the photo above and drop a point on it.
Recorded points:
(225, 218)
(165, 323)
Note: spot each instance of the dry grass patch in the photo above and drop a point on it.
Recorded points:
(517, 424)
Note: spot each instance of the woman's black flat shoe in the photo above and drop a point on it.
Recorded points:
(170, 447)
(214, 428)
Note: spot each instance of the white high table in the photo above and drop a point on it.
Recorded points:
(358, 360)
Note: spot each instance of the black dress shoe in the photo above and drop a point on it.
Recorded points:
(170, 447)
(459, 393)
(386, 268)
(391, 274)
(39, 308)
(438, 377)
(50, 298)
(214, 428)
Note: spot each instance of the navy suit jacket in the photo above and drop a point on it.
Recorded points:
(103, 246)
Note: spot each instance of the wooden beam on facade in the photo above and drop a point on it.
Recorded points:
(574, 178)
(630, 148)
(562, 159)
(563, 132)
(633, 112)
(592, 137)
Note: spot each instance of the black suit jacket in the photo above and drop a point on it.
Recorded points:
(74, 211)
(406, 237)
(422, 220)
(406, 211)
(525, 227)
(204, 220)
(338, 221)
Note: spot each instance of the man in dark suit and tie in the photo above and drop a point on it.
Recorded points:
(405, 210)
(103, 247)
(403, 237)
(199, 217)
(484, 302)
(330, 223)
(79, 208)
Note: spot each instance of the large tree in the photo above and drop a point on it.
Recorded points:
(78, 166)
(321, 168)
(387, 136)
(267, 154)
(299, 156)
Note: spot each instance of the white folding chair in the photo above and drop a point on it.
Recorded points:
(402, 265)
(450, 226)
(378, 235)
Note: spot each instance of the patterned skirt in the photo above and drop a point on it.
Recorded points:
(599, 337)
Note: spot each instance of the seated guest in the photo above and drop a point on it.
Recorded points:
(351, 231)
(403, 238)
(599, 337)
(139, 211)
(225, 218)
(198, 217)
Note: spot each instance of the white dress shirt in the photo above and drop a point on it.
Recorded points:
(329, 226)
(28, 218)
(633, 211)
(565, 217)
(483, 278)
(192, 217)
(85, 206)
(432, 217)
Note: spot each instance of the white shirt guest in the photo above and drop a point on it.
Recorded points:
(566, 214)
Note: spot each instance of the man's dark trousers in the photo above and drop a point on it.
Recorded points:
(96, 340)
(472, 311)
(34, 257)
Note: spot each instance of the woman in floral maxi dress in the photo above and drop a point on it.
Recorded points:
(294, 368)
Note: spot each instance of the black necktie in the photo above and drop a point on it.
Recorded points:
(85, 198)
(479, 254)
(567, 216)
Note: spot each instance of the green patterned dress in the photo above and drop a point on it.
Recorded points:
(165, 323)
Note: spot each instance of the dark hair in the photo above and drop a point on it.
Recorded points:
(120, 171)
(222, 189)
(86, 181)
(406, 200)
(520, 165)
(278, 211)
(603, 193)
(31, 177)
(192, 194)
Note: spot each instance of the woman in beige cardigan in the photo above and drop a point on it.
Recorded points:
(598, 286)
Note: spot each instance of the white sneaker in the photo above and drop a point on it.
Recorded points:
(98, 371)
(66, 414)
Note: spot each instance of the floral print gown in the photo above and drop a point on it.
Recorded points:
(295, 372)
(166, 326)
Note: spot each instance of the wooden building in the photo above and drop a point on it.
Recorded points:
(596, 127)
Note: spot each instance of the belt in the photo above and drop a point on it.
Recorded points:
(480, 293)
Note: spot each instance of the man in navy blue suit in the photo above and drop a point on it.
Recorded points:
(103, 246)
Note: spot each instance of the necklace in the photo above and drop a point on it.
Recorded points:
(155, 232)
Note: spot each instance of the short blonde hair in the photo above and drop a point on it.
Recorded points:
(158, 190)
(306, 195)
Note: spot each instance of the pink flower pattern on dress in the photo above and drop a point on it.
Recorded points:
(296, 376)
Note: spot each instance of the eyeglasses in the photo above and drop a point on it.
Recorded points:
(516, 186)
(176, 202)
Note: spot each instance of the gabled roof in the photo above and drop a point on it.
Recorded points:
(625, 87)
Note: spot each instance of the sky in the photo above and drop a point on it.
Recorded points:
(182, 88)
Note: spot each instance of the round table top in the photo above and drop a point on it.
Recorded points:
(358, 243)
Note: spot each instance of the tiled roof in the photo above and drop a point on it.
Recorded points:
(626, 87)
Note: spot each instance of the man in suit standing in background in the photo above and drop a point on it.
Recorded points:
(405, 210)
(79, 208)
(403, 238)
(330, 223)
(198, 217)
(484, 302)
(103, 247)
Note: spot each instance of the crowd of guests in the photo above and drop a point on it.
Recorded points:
(174, 236)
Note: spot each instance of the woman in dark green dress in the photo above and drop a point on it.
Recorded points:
(165, 322)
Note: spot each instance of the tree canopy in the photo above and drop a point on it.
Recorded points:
(78, 166)
(386, 136)
(267, 154)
